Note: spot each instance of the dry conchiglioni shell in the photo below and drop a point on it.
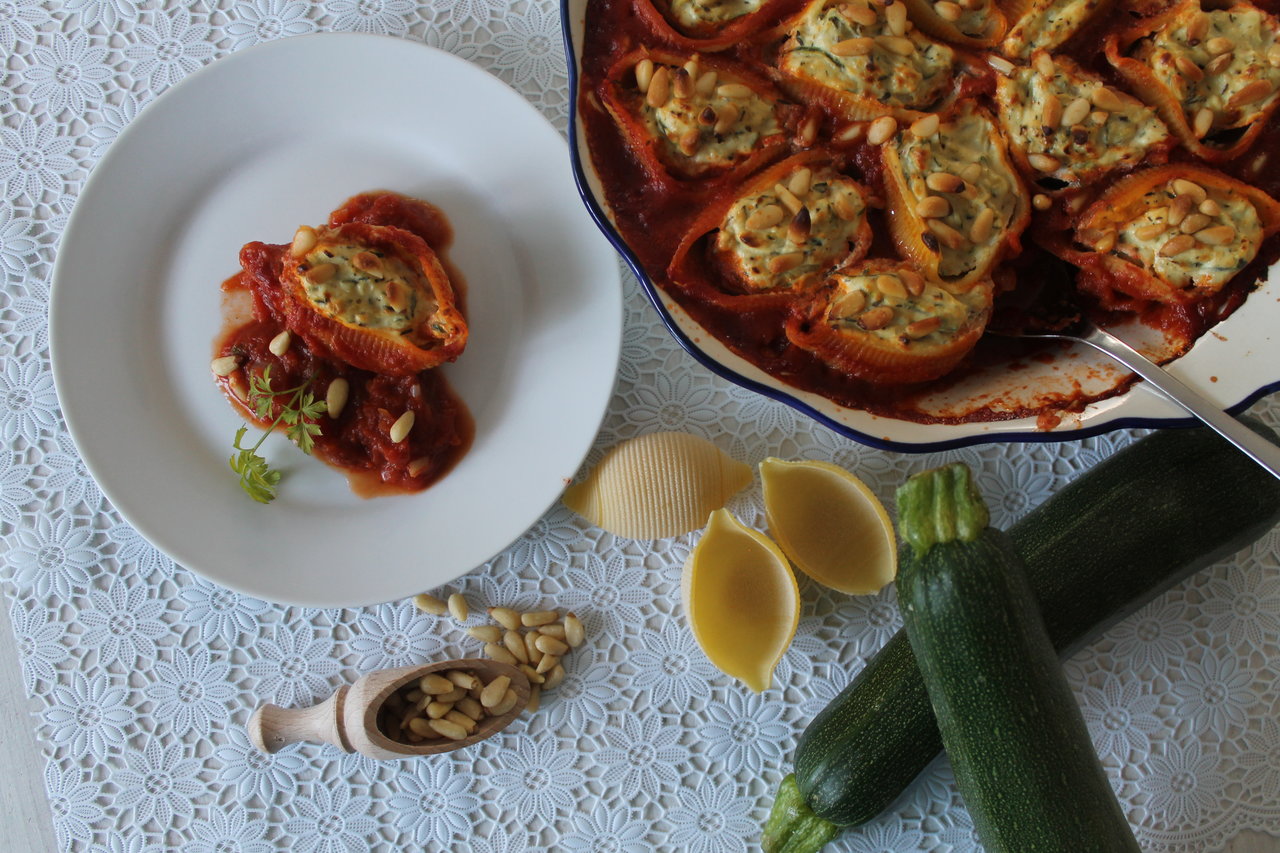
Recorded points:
(829, 524)
(741, 600)
(657, 485)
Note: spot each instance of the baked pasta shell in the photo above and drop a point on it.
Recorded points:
(925, 15)
(710, 37)
(434, 333)
(954, 246)
(653, 79)
(1151, 89)
(881, 321)
(1107, 262)
(798, 264)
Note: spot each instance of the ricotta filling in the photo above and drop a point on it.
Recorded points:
(1202, 253)
(774, 245)
(1238, 59)
(1047, 24)
(968, 146)
(909, 71)
(901, 308)
(710, 126)
(1083, 137)
(694, 13)
(366, 287)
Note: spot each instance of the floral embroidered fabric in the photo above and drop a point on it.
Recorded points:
(143, 674)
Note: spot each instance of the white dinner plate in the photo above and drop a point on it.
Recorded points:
(249, 148)
(1233, 365)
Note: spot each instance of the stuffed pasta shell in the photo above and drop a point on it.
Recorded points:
(882, 321)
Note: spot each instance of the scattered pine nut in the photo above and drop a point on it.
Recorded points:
(500, 654)
(458, 607)
(493, 692)
(486, 633)
(515, 644)
(538, 617)
(279, 345)
(430, 604)
(449, 729)
(506, 703)
(335, 397)
(400, 429)
(573, 631)
(506, 617)
(225, 365)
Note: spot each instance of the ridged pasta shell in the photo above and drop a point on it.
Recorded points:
(657, 485)
(741, 600)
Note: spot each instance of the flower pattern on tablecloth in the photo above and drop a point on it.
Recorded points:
(141, 676)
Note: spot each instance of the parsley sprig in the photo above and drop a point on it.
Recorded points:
(299, 410)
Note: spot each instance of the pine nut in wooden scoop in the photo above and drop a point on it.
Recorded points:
(359, 717)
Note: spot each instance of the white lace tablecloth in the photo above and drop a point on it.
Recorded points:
(145, 674)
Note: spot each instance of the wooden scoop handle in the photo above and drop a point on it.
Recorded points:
(272, 727)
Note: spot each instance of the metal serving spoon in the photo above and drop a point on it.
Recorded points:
(1255, 446)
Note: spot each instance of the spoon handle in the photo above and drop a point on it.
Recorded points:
(272, 727)
(1255, 446)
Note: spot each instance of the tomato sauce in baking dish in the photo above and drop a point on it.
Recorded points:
(360, 311)
(847, 193)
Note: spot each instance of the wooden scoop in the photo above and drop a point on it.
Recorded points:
(349, 718)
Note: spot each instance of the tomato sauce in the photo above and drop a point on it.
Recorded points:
(655, 215)
(358, 439)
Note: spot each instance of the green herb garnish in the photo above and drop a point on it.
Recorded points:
(298, 412)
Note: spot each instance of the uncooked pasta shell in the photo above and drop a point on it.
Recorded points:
(741, 600)
(657, 485)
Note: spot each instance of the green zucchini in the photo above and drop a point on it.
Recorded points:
(1018, 744)
(1140, 521)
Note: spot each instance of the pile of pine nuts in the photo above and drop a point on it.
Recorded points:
(532, 641)
(447, 704)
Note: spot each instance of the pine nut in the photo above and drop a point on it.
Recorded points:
(891, 286)
(1197, 28)
(1106, 99)
(921, 328)
(876, 318)
(727, 118)
(531, 646)
(1217, 236)
(982, 225)
(923, 128)
(800, 182)
(506, 617)
(1150, 231)
(430, 604)
(948, 11)
(462, 679)
(764, 217)
(861, 14)
(971, 172)
(1194, 223)
(437, 709)
(1178, 209)
(279, 345)
(574, 634)
(1188, 69)
(1182, 186)
(452, 696)
(785, 263)
(433, 684)
(486, 633)
(461, 720)
(1040, 201)
(1106, 242)
(500, 654)
(552, 646)
(851, 133)
(809, 131)
(1250, 93)
(515, 644)
(1218, 64)
(419, 726)
(534, 618)
(689, 141)
(225, 365)
(882, 130)
(897, 44)
(895, 18)
(943, 182)
(531, 673)
(846, 209)
(1202, 123)
(547, 663)
(644, 74)
(734, 90)
(1219, 45)
(1000, 64)
(320, 273)
(1177, 245)
(555, 629)
(554, 677)
(801, 224)
(335, 396)
(853, 47)
(1051, 115)
(932, 207)
(1043, 64)
(458, 607)
(1209, 207)
(948, 236)
(494, 691)
(505, 704)
(707, 118)
(304, 240)
(417, 466)
(451, 730)
(788, 198)
(682, 84)
(1273, 55)
(659, 87)
(472, 708)
(706, 83)
(1076, 112)
(914, 282)
(400, 429)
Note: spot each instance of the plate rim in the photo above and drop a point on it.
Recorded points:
(610, 315)
(569, 9)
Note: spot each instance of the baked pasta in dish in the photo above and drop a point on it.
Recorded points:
(916, 174)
